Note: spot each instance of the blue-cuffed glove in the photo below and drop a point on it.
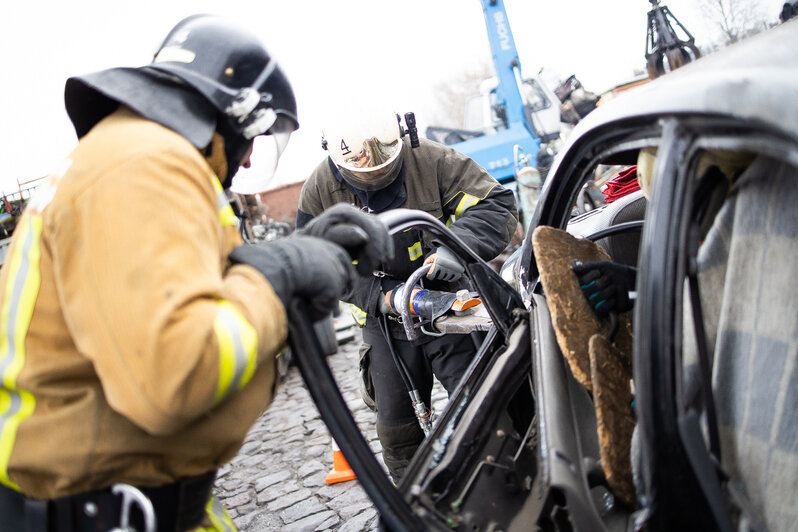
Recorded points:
(606, 286)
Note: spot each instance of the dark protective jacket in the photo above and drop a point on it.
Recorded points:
(435, 179)
(130, 350)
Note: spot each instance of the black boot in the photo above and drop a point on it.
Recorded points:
(399, 444)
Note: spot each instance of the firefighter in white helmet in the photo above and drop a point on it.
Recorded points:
(373, 165)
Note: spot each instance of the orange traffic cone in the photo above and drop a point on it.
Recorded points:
(341, 471)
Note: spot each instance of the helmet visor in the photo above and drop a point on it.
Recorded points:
(375, 166)
(374, 154)
(266, 153)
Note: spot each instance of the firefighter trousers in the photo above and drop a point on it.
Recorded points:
(445, 358)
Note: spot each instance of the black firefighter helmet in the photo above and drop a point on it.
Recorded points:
(208, 75)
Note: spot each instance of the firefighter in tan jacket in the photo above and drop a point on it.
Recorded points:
(138, 333)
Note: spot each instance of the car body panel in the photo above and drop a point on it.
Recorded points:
(741, 98)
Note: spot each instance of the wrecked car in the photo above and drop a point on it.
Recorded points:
(681, 414)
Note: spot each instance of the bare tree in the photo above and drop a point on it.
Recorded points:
(451, 96)
(735, 19)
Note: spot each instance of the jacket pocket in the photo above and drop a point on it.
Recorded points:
(366, 383)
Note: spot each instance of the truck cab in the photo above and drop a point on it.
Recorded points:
(486, 113)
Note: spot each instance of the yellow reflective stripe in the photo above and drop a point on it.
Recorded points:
(467, 201)
(19, 298)
(238, 349)
(226, 214)
(358, 315)
(219, 518)
(415, 251)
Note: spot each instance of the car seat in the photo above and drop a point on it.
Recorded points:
(622, 247)
(747, 266)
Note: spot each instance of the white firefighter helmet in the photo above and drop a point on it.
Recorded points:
(366, 151)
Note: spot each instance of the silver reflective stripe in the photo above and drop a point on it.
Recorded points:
(226, 215)
(221, 200)
(221, 521)
(237, 349)
(415, 251)
(19, 299)
(468, 200)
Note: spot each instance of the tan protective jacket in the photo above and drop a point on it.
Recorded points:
(130, 351)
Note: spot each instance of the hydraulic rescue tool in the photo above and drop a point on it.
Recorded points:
(408, 300)
(426, 305)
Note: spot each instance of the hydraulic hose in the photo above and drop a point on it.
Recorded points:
(423, 413)
(394, 511)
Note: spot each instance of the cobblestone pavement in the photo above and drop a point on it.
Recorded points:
(276, 482)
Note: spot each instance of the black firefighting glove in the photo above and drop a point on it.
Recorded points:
(362, 235)
(313, 269)
(445, 265)
(606, 285)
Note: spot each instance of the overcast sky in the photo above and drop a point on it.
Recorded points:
(332, 51)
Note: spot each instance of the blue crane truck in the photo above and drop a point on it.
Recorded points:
(508, 123)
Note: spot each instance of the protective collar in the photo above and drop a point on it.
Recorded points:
(377, 201)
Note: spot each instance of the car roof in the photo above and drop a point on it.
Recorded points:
(755, 79)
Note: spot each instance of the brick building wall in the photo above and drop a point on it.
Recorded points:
(281, 202)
